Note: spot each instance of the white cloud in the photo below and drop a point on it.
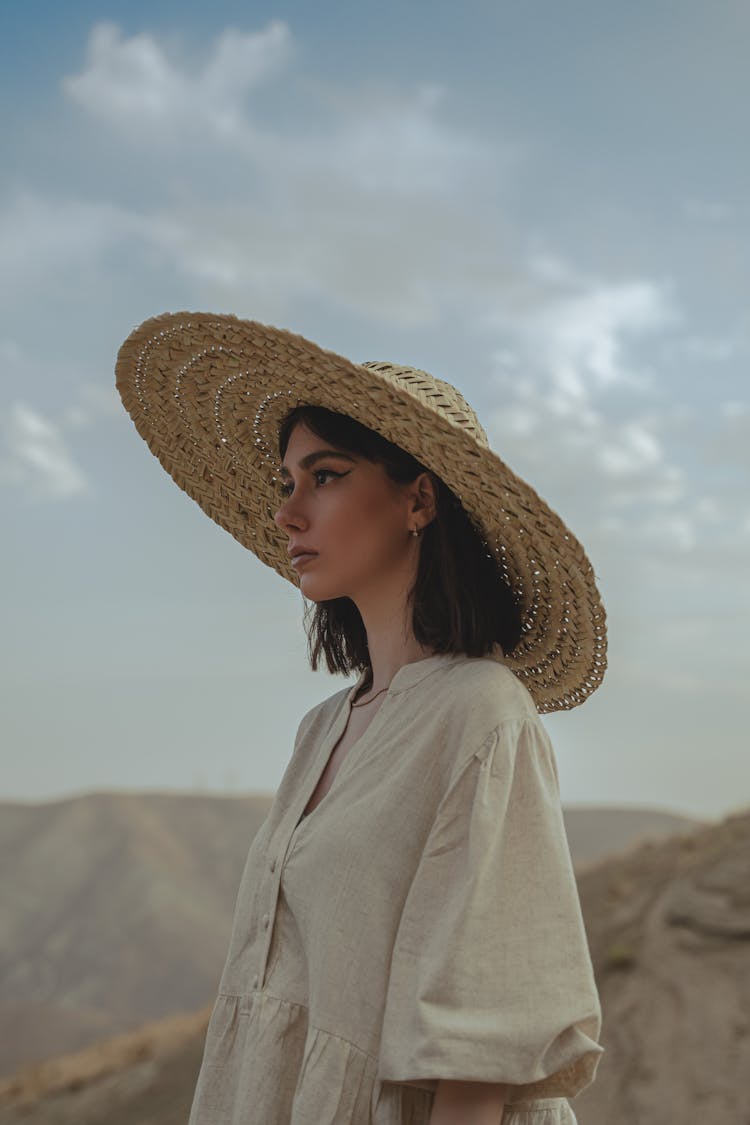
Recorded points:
(609, 466)
(638, 448)
(344, 206)
(675, 531)
(377, 138)
(563, 347)
(40, 234)
(582, 334)
(704, 349)
(391, 142)
(575, 328)
(734, 408)
(345, 211)
(570, 404)
(34, 456)
(134, 85)
(730, 443)
(65, 387)
(97, 401)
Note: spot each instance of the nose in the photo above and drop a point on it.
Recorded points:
(287, 515)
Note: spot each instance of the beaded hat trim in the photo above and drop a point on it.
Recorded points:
(207, 393)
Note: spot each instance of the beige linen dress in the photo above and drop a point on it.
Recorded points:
(422, 922)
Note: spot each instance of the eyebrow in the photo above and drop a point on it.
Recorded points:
(318, 455)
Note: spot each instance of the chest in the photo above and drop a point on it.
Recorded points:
(359, 720)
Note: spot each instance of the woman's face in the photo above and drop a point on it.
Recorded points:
(351, 514)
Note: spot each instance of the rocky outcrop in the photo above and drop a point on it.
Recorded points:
(669, 929)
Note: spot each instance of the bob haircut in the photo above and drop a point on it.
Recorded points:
(460, 602)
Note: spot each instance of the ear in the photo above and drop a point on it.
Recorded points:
(423, 495)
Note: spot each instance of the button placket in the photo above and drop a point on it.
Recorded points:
(276, 864)
(275, 867)
(268, 930)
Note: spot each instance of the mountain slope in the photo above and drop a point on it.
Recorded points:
(116, 910)
(669, 928)
(117, 907)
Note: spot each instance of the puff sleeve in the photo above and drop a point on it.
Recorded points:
(491, 978)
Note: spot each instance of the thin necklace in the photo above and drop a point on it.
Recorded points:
(375, 696)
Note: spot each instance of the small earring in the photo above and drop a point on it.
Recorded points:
(415, 531)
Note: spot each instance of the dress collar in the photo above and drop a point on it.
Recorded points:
(408, 675)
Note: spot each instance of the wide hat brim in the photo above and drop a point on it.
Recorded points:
(207, 392)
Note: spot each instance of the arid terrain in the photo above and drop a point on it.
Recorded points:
(666, 904)
(116, 910)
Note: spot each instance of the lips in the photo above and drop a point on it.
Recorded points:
(303, 557)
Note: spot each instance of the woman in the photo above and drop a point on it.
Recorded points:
(407, 944)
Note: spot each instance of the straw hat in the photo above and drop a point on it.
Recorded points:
(207, 393)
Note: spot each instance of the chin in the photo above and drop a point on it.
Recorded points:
(319, 592)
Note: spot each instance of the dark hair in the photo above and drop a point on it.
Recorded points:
(460, 600)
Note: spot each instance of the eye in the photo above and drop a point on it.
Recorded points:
(326, 473)
(285, 488)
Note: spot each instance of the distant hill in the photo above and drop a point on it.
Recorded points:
(669, 929)
(116, 910)
(117, 906)
(599, 832)
(147, 1075)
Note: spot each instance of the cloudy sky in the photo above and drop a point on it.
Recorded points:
(547, 208)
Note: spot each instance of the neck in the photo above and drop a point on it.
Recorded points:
(391, 642)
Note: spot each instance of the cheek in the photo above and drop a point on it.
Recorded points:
(365, 526)
(375, 528)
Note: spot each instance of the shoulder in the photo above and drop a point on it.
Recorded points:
(488, 690)
(319, 717)
(462, 709)
(505, 731)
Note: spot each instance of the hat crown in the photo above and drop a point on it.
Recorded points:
(440, 396)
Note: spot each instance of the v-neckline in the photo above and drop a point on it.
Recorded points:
(328, 745)
(404, 678)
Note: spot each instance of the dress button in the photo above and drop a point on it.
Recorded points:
(255, 981)
(265, 921)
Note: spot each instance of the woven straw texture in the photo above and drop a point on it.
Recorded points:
(207, 392)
